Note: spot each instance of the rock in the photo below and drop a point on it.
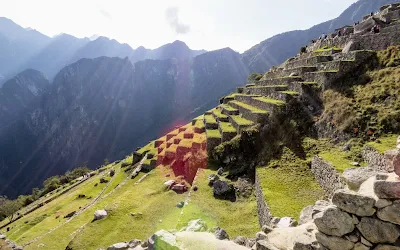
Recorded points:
(102, 180)
(266, 229)
(386, 247)
(220, 171)
(100, 214)
(354, 203)
(354, 177)
(381, 176)
(387, 189)
(264, 245)
(389, 156)
(354, 163)
(306, 214)
(196, 226)
(223, 190)
(348, 47)
(299, 238)
(274, 221)
(293, 74)
(377, 231)
(353, 237)
(286, 222)
(346, 147)
(180, 204)
(169, 183)
(119, 246)
(390, 213)
(221, 234)
(195, 188)
(333, 221)
(333, 242)
(134, 243)
(240, 240)
(366, 242)
(360, 246)
(2, 236)
(261, 236)
(381, 203)
(212, 178)
(396, 162)
(163, 240)
(319, 206)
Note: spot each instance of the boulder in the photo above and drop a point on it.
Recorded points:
(163, 240)
(212, 178)
(221, 234)
(2, 236)
(223, 190)
(266, 229)
(333, 242)
(264, 245)
(286, 222)
(196, 226)
(390, 213)
(319, 206)
(354, 177)
(386, 247)
(377, 231)
(134, 243)
(381, 203)
(100, 214)
(333, 221)
(119, 246)
(360, 246)
(240, 240)
(220, 171)
(387, 189)
(354, 203)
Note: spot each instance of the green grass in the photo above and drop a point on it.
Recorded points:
(271, 86)
(341, 160)
(270, 100)
(227, 127)
(237, 218)
(249, 107)
(326, 48)
(384, 143)
(209, 119)
(241, 121)
(213, 133)
(199, 124)
(288, 184)
(148, 147)
(288, 92)
(218, 113)
(227, 107)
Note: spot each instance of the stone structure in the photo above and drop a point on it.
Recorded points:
(326, 175)
(264, 215)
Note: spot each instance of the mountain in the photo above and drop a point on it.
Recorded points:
(106, 107)
(17, 45)
(277, 49)
(18, 93)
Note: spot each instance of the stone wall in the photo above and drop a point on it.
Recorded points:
(326, 175)
(264, 215)
(377, 160)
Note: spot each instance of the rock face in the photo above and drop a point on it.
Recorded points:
(377, 231)
(223, 190)
(354, 203)
(333, 221)
(100, 214)
(390, 213)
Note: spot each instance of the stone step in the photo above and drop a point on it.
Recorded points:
(240, 123)
(323, 78)
(271, 91)
(228, 110)
(210, 122)
(311, 61)
(217, 113)
(281, 72)
(249, 112)
(279, 81)
(214, 138)
(227, 131)
(262, 102)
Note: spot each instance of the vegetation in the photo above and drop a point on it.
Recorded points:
(270, 100)
(9, 208)
(384, 143)
(249, 107)
(327, 48)
(213, 133)
(227, 127)
(218, 113)
(241, 121)
(227, 107)
(254, 77)
(368, 106)
(209, 119)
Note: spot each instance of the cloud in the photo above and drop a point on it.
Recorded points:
(171, 15)
(105, 13)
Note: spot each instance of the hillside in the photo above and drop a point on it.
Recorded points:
(313, 130)
(88, 113)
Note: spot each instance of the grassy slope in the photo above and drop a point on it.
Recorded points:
(384, 143)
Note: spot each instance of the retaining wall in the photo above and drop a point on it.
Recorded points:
(326, 175)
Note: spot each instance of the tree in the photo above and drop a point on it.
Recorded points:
(254, 77)
(9, 208)
(106, 162)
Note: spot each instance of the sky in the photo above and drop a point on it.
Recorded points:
(201, 24)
